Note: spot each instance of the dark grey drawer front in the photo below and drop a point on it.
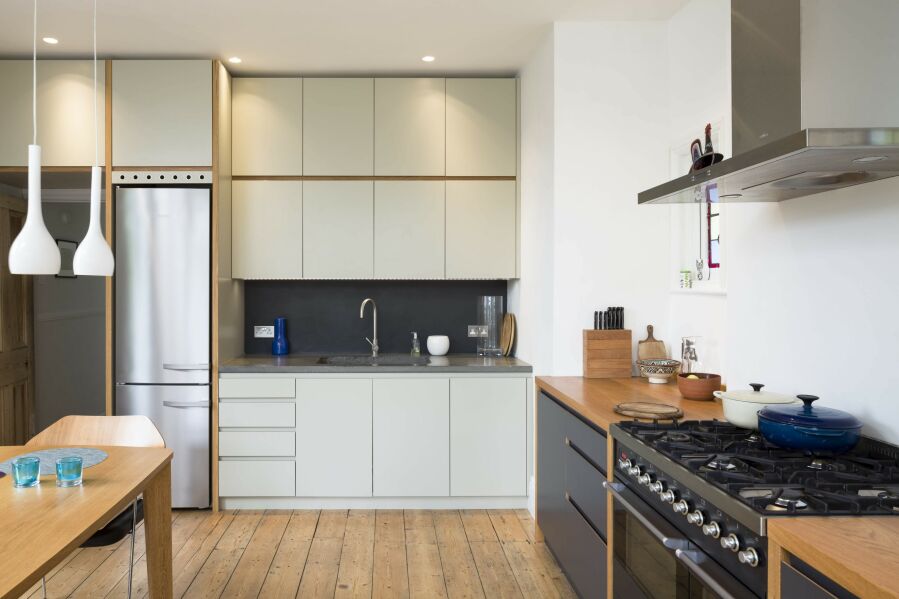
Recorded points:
(795, 584)
(583, 556)
(551, 449)
(587, 440)
(584, 485)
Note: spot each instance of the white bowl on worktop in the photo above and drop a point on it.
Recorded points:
(438, 345)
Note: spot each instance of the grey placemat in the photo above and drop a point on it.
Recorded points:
(89, 457)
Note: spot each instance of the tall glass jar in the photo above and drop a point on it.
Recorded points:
(490, 319)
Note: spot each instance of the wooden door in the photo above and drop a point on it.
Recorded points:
(16, 335)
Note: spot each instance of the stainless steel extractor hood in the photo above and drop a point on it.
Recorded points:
(774, 158)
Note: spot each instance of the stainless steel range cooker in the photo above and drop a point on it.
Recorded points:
(691, 501)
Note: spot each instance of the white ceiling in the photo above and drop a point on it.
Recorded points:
(313, 36)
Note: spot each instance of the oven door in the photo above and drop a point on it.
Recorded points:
(653, 560)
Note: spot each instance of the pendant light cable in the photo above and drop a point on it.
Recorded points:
(96, 117)
(34, 77)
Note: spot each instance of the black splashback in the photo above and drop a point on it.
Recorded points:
(323, 316)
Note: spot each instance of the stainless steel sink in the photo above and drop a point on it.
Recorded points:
(386, 360)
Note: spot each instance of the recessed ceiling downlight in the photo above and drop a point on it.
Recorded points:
(427, 58)
(235, 60)
(50, 40)
(864, 159)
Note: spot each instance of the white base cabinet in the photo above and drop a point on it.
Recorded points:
(411, 437)
(334, 437)
(395, 440)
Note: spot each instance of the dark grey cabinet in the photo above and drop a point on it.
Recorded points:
(571, 501)
(798, 579)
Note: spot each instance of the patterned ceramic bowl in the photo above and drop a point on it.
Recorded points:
(658, 371)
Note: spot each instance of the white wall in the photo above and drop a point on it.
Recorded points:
(607, 250)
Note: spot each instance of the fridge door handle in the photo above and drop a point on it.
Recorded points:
(170, 366)
(186, 404)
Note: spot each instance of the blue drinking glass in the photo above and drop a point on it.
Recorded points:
(280, 346)
(68, 472)
(26, 471)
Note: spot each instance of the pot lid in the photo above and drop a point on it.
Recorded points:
(806, 415)
(756, 395)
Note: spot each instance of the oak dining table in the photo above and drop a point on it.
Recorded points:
(40, 525)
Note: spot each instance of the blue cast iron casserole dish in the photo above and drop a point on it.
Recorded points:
(792, 426)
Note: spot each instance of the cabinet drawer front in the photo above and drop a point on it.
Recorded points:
(257, 413)
(251, 444)
(582, 555)
(584, 486)
(588, 441)
(256, 478)
(253, 388)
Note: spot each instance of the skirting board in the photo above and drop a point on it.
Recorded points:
(373, 503)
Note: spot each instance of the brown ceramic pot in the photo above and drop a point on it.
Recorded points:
(699, 389)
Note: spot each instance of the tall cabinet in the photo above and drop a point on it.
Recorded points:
(402, 178)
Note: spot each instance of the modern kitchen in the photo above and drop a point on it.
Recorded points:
(587, 298)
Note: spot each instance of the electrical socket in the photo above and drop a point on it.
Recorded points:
(264, 331)
(476, 330)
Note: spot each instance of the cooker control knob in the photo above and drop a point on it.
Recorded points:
(711, 530)
(749, 557)
(731, 542)
(645, 479)
(696, 518)
(657, 487)
(667, 496)
(625, 464)
(635, 470)
(681, 507)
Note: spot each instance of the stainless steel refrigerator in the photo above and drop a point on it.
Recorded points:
(162, 324)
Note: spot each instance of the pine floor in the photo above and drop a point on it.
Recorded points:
(332, 553)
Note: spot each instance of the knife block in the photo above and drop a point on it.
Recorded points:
(607, 354)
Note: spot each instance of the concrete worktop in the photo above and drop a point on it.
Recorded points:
(453, 363)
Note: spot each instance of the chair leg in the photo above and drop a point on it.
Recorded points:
(44, 587)
(131, 555)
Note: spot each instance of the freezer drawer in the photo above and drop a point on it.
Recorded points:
(181, 413)
(162, 285)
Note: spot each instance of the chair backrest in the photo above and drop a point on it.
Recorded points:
(128, 431)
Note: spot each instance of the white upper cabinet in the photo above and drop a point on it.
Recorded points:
(338, 126)
(338, 227)
(480, 229)
(410, 127)
(481, 127)
(267, 126)
(409, 229)
(161, 113)
(65, 112)
(267, 229)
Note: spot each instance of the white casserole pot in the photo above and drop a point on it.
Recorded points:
(741, 408)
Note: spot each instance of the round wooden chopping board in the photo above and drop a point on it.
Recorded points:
(649, 411)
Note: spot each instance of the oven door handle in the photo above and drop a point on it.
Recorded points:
(712, 575)
(659, 528)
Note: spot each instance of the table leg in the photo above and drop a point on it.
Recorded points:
(158, 530)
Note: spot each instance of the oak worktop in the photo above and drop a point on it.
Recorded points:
(595, 399)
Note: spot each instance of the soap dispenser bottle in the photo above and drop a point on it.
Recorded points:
(416, 345)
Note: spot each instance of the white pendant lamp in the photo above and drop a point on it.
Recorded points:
(34, 251)
(93, 256)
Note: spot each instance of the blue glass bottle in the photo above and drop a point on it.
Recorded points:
(279, 343)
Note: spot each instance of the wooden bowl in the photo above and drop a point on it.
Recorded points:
(699, 389)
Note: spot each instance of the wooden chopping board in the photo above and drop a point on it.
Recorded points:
(507, 337)
(651, 348)
(649, 411)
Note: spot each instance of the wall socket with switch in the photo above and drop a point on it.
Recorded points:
(261, 332)
(477, 330)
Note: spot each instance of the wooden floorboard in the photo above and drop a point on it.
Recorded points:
(279, 554)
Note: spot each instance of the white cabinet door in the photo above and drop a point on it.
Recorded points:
(65, 112)
(488, 437)
(338, 227)
(481, 127)
(338, 126)
(480, 229)
(267, 229)
(411, 437)
(334, 434)
(409, 229)
(267, 126)
(256, 478)
(410, 126)
(161, 113)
